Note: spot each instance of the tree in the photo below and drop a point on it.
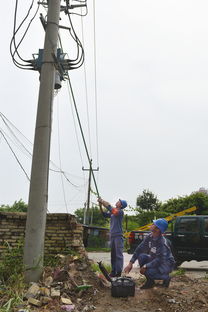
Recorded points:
(18, 206)
(95, 217)
(79, 214)
(147, 201)
(198, 199)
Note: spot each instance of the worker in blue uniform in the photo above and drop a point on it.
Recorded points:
(116, 233)
(154, 256)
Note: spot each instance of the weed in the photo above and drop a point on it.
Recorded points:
(51, 261)
(179, 272)
(91, 249)
(11, 303)
(206, 275)
(11, 277)
(11, 264)
(95, 267)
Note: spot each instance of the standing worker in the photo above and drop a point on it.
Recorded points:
(154, 256)
(116, 233)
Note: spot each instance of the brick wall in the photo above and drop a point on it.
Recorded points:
(62, 232)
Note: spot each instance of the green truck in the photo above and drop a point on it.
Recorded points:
(188, 238)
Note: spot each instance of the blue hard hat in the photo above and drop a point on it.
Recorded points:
(123, 203)
(162, 224)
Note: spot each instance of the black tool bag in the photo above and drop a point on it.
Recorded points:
(123, 287)
(120, 286)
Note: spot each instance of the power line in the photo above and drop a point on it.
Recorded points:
(59, 149)
(15, 155)
(86, 91)
(7, 122)
(75, 63)
(13, 40)
(82, 133)
(15, 137)
(95, 68)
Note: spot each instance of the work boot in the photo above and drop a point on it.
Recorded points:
(148, 284)
(166, 282)
(118, 274)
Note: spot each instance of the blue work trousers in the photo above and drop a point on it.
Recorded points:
(116, 245)
(158, 273)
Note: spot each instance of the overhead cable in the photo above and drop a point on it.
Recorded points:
(86, 90)
(14, 155)
(28, 65)
(60, 164)
(7, 122)
(82, 134)
(95, 68)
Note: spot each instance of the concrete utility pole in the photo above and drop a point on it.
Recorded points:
(86, 212)
(38, 195)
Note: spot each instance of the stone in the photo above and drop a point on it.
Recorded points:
(68, 307)
(44, 291)
(171, 300)
(45, 300)
(33, 291)
(34, 302)
(55, 292)
(48, 281)
(66, 300)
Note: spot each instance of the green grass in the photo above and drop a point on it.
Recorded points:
(179, 272)
(206, 275)
(11, 303)
(90, 249)
(95, 267)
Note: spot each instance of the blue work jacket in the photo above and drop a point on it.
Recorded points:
(159, 251)
(115, 221)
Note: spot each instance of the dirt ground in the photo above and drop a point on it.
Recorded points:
(187, 292)
(184, 294)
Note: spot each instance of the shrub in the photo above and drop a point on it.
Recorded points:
(96, 241)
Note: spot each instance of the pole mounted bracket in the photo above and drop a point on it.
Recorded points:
(61, 64)
(44, 23)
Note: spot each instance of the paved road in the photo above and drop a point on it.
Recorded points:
(105, 257)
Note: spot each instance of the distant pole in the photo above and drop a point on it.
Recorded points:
(38, 195)
(84, 220)
(91, 217)
(89, 189)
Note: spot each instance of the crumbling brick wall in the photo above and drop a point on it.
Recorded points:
(63, 233)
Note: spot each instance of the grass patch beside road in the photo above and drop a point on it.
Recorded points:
(91, 249)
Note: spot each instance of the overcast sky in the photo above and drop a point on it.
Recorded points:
(152, 96)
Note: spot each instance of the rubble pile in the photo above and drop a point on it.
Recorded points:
(72, 286)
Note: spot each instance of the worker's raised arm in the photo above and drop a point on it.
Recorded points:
(104, 203)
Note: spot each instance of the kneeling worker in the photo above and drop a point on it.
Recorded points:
(154, 256)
